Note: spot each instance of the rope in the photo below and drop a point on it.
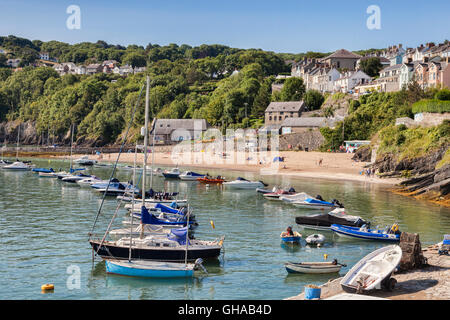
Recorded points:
(117, 160)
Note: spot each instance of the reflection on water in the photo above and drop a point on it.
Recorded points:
(45, 224)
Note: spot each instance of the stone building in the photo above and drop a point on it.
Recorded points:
(276, 112)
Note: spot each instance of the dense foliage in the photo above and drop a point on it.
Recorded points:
(373, 112)
(226, 86)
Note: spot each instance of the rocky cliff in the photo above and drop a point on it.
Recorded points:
(423, 180)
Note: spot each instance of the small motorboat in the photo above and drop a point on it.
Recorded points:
(45, 170)
(277, 194)
(314, 267)
(87, 182)
(114, 188)
(17, 166)
(290, 236)
(317, 203)
(190, 176)
(47, 175)
(315, 239)
(241, 183)
(389, 234)
(4, 162)
(172, 174)
(323, 221)
(85, 161)
(294, 197)
(210, 180)
(374, 271)
(75, 177)
(151, 269)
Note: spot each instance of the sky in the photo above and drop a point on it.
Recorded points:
(280, 26)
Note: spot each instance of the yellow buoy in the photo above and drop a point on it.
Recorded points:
(47, 287)
(212, 224)
(325, 256)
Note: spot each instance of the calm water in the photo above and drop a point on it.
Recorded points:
(45, 223)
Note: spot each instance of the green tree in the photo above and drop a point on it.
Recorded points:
(371, 66)
(313, 99)
(293, 89)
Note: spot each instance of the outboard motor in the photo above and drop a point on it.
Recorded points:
(291, 189)
(319, 197)
(198, 263)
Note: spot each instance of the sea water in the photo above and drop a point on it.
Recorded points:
(45, 224)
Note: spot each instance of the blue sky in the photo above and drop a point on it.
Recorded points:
(280, 26)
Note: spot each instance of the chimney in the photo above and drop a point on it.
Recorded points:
(425, 59)
(400, 45)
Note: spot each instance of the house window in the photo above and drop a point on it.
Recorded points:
(280, 118)
(281, 112)
(270, 118)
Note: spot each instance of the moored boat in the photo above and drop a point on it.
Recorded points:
(85, 161)
(241, 183)
(151, 269)
(374, 271)
(279, 193)
(317, 203)
(323, 221)
(293, 237)
(210, 180)
(172, 174)
(190, 176)
(389, 234)
(17, 166)
(313, 267)
(315, 239)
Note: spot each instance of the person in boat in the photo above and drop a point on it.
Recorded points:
(289, 231)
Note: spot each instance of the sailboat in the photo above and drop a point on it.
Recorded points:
(17, 165)
(175, 247)
(62, 174)
(4, 162)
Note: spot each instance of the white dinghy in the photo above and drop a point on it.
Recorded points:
(373, 271)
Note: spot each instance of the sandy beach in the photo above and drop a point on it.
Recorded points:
(333, 166)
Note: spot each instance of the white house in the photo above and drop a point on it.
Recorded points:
(350, 80)
(44, 56)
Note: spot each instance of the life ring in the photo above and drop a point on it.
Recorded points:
(394, 228)
(47, 287)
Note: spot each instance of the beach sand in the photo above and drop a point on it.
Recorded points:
(333, 166)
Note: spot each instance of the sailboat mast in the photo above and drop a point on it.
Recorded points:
(17, 148)
(147, 95)
(132, 202)
(187, 237)
(71, 143)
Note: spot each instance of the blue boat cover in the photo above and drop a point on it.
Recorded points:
(147, 218)
(178, 235)
(166, 208)
(310, 200)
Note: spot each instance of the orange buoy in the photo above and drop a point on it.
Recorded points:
(47, 287)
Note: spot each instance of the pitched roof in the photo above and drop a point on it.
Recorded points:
(308, 122)
(342, 53)
(167, 126)
(289, 106)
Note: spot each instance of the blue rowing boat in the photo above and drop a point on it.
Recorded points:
(149, 269)
(390, 234)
